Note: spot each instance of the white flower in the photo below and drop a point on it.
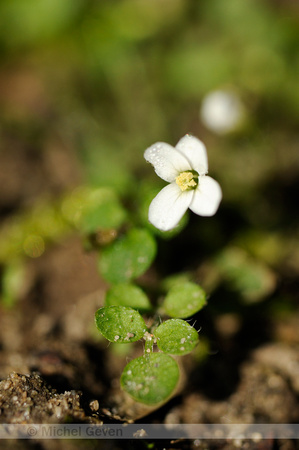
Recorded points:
(185, 168)
(222, 111)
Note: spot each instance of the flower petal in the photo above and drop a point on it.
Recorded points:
(207, 197)
(167, 161)
(169, 206)
(195, 151)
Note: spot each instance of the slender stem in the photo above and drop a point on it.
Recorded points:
(149, 343)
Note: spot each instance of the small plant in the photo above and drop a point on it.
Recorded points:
(151, 378)
(127, 251)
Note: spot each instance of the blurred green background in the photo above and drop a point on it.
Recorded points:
(106, 79)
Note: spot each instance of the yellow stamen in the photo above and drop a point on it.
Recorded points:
(186, 181)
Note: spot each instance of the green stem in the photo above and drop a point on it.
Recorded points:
(149, 343)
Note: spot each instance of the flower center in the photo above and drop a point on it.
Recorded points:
(187, 180)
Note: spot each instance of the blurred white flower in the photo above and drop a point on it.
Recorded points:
(222, 111)
(185, 168)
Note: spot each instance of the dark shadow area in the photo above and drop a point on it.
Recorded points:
(202, 238)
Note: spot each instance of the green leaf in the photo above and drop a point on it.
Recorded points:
(151, 378)
(183, 300)
(127, 295)
(177, 337)
(247, 275)
(101, 211)
(174, 280)
(120, 324)
(128, 257)
(13, 282)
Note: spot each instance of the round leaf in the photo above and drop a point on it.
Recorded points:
(128, 257)
(253, 279)
(127, 295)
(151, 378)
(184, 300)
(177, 337)
(101, 210)
(120, 324)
